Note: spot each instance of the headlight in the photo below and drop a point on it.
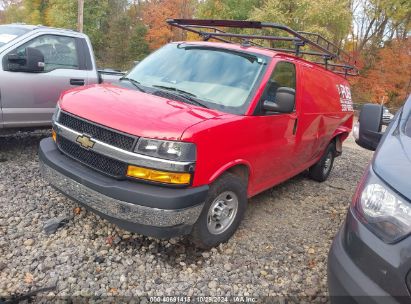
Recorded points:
(172, 150)
(382, 210)
(56, 115)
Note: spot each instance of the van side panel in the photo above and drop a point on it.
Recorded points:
(324, 110)
(266, 145)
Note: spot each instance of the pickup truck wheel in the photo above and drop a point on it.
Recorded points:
(222, 213)
(321, 170)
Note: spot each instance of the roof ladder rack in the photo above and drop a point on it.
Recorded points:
(343, 63)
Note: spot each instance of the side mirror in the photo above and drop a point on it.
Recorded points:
(370, 123)
(284, 101)
(32, 61)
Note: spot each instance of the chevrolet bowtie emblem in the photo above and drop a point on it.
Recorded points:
(85, 141)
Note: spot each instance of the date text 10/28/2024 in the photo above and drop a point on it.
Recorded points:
(203, 299)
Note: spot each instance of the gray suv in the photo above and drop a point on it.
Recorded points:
(370, 259)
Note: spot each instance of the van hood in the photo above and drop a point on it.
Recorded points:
(392, 160)
(134, 112)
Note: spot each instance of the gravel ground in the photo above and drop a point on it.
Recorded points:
(280, 249)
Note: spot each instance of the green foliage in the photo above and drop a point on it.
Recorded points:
(35, 11)
(114, 26)
(13, 12)
(138, 47)
(63, 13)
(227, 9)
(330, 18)
(124, 40)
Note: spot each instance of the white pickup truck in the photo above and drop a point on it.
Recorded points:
(37, 64)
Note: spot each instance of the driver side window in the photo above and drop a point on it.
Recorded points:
(282, 76)
(59, 51)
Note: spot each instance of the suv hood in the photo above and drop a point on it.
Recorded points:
(392, 160)
(134, 112)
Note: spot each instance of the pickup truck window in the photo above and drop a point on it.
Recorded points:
(59, 51)
(221, 78)
(8, 33)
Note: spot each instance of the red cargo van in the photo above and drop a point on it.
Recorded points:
(195, 129)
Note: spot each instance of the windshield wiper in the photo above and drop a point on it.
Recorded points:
(135, 83)
(187, 95)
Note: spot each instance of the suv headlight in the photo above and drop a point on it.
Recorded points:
(171, 150)
(381, 209)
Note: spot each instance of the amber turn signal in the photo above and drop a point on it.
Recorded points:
(54, 135)
(159, 176)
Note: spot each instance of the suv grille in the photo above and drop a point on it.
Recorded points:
(122, 141)
(99, 162)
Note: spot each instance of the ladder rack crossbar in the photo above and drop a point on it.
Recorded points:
(329, 51)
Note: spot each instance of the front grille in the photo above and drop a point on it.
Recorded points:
(106, 165)
(122, 141)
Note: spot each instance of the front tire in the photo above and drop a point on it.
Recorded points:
(223, 211)
(322, 169)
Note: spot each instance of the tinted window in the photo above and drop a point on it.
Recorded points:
(222, 78)
(8, 33)
(284, 74)
(59, 51)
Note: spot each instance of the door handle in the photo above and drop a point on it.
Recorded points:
(295, 126)
(77, 82)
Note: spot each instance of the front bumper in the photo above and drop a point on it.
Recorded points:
(347, 283)
(147, 209)
(364, 269)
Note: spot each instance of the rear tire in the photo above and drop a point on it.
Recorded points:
(223, 211)
(322, 169)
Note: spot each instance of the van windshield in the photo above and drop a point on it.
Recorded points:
(222, 79)
(8, 33)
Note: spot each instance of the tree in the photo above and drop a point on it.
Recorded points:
(155, 14)
(14, 11)
(125, 37)
(376, 21)
(388, 80)
(80, 15)
(227, 9)
(330, 18)
(63, 13)
(138, 47)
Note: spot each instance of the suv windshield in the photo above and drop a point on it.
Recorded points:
(8, 33)
(221, 79)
